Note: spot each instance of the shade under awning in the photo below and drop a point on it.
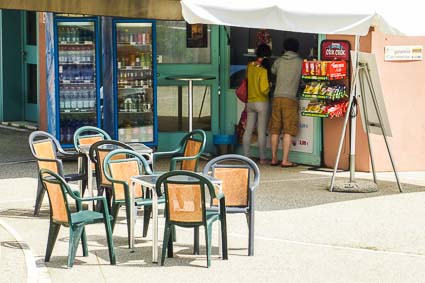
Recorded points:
(146, 9)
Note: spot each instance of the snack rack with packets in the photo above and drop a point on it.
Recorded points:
(325, 88)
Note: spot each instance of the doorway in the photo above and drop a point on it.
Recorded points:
(30, 67)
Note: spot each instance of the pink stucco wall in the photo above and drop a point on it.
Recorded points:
(403, 87)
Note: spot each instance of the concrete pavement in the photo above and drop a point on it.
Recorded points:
(304, 233)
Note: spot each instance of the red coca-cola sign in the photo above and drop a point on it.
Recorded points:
(335, 50)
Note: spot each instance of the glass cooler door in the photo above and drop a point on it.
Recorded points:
(134, 85)
(77, 79)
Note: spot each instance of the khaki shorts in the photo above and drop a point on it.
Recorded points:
(284, 116)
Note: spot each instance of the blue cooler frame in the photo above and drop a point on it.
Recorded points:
(98, 67)
(154, 143)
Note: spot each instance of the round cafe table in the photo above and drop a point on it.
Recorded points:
(190, 79)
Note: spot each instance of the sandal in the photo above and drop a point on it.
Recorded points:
(288, 165)
(274, 164)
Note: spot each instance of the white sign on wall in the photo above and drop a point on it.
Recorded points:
(403, 53)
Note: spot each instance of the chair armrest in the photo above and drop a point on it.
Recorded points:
(164, 153)
(174, 160)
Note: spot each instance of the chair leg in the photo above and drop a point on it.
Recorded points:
(171, 242)
(115, 210)
(128, 211)
(208, 236)
(84, 242)
(39, 198)
(223, 223)
(108, 194)
(147, 210)
(196, 241)
(250, 219)
(84, 183)
(109, 239)
(74, 238)
(167, 232)
(174, 234)
(51, 240)
(99, 207)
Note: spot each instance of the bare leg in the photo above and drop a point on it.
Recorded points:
(286, 144)
(274, 143)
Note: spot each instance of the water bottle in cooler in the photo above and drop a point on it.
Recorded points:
(80, 98)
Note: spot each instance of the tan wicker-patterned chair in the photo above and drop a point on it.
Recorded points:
(240, 177)
(191, 146)
(185, 206)
(61, 215)
(119, 171)
(49, 154)
(97, 154)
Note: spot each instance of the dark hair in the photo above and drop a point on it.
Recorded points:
(263, 50)
(291, 44)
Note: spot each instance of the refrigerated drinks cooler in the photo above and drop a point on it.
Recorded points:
(134, 81)
(77, 77)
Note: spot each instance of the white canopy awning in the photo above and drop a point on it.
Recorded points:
(311, 16)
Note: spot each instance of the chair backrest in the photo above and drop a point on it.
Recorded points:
(185, 196)
(239, 175)
(97, 154)
(44, 147)
(57, 190)
(193, 145)
(119, 171)
(88, 135)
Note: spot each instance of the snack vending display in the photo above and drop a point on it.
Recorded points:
(134, 81)
(325, 88)
(77, 76)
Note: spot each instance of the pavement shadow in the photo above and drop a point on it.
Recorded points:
(282, 195)
(24, 213)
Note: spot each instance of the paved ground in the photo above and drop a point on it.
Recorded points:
(304, 233)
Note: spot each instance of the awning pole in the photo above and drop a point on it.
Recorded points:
(347, 115)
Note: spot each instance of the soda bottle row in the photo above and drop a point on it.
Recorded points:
(76, 54)
(77, 98)
(135, 74)
(74, 34)
(133, 37)
(143, 59)
(137, 102)
(77, 74)
(131, 79)
(69, 126)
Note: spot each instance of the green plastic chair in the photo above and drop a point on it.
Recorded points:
(88, 135)
(61, 215)
(187, 154)
(119, 172)
(240, 177)
(97, 154)
(185, 206)
(48, 152)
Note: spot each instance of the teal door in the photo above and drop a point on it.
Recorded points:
(30, 69)
(186, 50)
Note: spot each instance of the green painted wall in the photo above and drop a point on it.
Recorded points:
(11, 64)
